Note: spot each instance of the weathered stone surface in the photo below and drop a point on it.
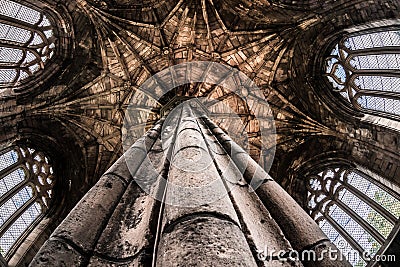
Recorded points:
(97, 261)
(56, 252)
(299, 228)
(262, 232)
(204, 241)
(128, 164)
(194, 184)
(131, 229)
(128, 231)
(75, 107)
(86, 221)
(260, 228)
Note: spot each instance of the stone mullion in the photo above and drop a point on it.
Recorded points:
(20, 62)
(359, 73)
(382, 211)
(366, 72)
(20, 24)
(333, 197)
(15, 67)
(349, 84)
(3, 261)
(13, 191)
(368, 92)
(373, 51)
(7, 224)
(6, 171)
(354, 244)
(23, 238)
(24, 25)
(365, 225)
(380, 94)
(18, 187)
(373, 72)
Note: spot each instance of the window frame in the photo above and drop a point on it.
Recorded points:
(30, 179)
(346, 169)
(63, 32)
(352, 103)
(25, 47)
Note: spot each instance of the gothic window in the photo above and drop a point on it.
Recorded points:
(26, 183)
(355, 211)
(365, 69)
(26, 42)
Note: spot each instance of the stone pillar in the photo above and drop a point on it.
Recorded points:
(75, 239)
(200, 226)
(299, 228)
(181, 196)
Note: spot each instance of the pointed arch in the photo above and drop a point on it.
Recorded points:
(34, 42)
(26, 188)
(356, 211)
(364, 67)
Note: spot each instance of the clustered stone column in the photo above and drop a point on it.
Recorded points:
(181, 196)
(298, 227)
(200, 224)
(112, 224)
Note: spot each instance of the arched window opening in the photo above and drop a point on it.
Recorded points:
(365, 69)
(26, 187)
(356, 212)
(27, 42)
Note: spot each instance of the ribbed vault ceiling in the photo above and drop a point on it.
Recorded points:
(139, 39)
(130, 41)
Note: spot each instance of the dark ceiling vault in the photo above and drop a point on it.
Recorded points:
(117, 45)
(120, 44)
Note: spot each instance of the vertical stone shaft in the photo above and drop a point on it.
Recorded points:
(262, 232)
(208, 215)
(74, 240)
(299, 228)
(128, 238)
(200, 226)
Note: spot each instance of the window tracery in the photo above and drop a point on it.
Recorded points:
(27, 42)
(356, 212)
(26, 187)
(364, 68)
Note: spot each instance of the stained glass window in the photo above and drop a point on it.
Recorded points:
(27, 42)
(356, 212)
(26, 185)
(365, 69)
